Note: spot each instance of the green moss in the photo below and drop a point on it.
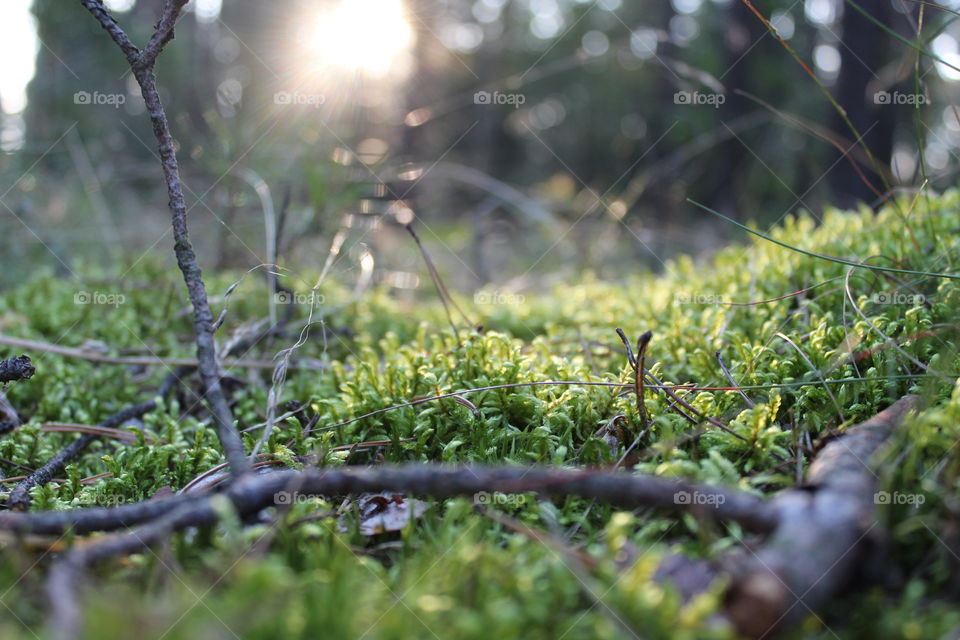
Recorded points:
(459, 573)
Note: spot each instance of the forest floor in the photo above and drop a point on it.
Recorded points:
(813, 346)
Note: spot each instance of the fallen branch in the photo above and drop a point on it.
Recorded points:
(65, 575)
(825, 536)
(826, 533)
(260, 491)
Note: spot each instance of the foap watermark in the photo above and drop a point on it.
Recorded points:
(106, 500)
(898, 497)
(497, 297)
(497, 498)
(898, 297)
(296, 98)
(498, 97)
(698, 498)
(96, 98)
(896, 97)
(699, 298)
(289, 297)
(288, 498)
(699, 98)
(104, 298)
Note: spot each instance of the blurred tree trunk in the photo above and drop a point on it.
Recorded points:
(497, 151)
(864, 50)
(73, 60)
(741, 32)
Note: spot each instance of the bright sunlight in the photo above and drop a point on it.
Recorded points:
(367, 36)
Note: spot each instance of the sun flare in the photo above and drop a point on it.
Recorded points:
(367, 36)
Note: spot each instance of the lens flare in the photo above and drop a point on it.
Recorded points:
(366, 36)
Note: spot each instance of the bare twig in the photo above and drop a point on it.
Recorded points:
(826, 534)
(66, 574)
(142, 65)
(445, 296)
(815, 370)
(258, 492)
(819, 533)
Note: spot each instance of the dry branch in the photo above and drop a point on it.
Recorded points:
(142, 65)
(827, 532)
(258, 492)
(250, 494)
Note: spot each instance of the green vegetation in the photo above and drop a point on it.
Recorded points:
(455, 571)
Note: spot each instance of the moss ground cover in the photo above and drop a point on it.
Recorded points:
(846, 343)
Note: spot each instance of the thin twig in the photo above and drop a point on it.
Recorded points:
(840, 483)
(142, 65)
(815, 370)
(445, 296)
(259, 491)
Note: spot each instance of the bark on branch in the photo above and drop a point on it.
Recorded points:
(258, 492)
(142, 65)
(827, 532)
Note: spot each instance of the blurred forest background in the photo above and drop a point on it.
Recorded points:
(530, 139)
